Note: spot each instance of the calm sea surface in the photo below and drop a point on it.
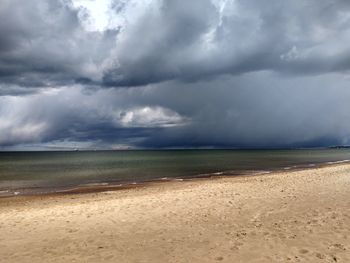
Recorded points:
(40, 171)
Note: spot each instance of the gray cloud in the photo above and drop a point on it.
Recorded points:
(254, 110)
(201, 73)
(72, 114)
(43, 44)
(258, 110)
(193, 40)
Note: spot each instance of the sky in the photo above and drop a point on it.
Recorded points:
(136, 74)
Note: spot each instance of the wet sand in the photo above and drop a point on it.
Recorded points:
(297, 216)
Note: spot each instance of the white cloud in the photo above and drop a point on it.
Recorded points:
(98, 11)
(150, 117)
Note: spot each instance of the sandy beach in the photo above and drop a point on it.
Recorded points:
(298, 216)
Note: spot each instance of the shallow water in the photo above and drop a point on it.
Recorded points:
(59, 170)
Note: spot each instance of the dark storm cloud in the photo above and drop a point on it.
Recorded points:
(161, 43)
(257, 110)
(71, 114)
(43, 44)
(195, 39)
(254, 110)
(200, 73)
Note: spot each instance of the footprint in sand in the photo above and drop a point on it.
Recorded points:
(319, 255)
(338, 246)
(303, 251)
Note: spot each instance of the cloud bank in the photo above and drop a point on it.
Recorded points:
(165, 74)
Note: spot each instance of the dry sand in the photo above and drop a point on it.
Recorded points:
(300, 216)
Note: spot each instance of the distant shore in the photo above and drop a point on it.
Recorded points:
(285, 216)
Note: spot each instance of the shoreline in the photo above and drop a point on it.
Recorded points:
(120, 186)
(290, 216)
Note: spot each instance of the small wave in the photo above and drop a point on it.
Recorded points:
(263, 172)
(335, 162)
(179, 179)
(93, 184)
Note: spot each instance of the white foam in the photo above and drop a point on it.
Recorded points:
(335, 162)
(263, 172)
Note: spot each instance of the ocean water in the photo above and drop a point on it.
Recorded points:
(40, 172)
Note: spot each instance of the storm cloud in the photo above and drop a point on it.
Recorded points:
(43, 44)
(174, 74)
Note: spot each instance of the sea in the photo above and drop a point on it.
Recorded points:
(33, 173)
